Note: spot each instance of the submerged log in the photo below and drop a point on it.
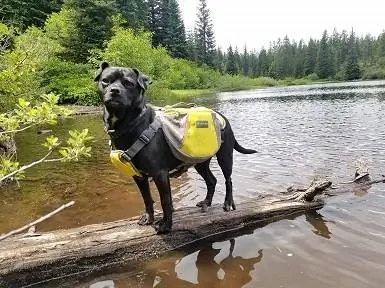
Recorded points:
(27, 259)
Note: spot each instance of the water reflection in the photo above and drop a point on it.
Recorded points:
(316, 220)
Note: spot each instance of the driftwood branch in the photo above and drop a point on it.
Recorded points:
(41, 219)
(89, 249)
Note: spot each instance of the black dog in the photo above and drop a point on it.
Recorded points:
(126, 116)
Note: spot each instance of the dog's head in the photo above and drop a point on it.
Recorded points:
(121, 88)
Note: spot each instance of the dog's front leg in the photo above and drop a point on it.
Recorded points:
(162, 182)
(148, 217)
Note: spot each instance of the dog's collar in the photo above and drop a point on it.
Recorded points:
(113, 133)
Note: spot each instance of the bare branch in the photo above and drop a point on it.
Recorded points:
(25, 167)
(41, 219)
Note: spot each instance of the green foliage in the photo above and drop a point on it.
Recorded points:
(76, 146)
(27, 13)
(72, 81)
(25, 116)
(19, 65)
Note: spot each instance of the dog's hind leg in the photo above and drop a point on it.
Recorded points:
(148, 217)
(203, 169)
(225, 161)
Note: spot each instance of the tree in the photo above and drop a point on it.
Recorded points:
(205, 40)
(174, 30)
(231, 67)
(310, 57)
(191, 52)
(135, 12)
(218, 61)
(245, 62)
(324, 61)
(92, 23)
(28, 12)
(238, 62)
(352, 69)
(263, 63)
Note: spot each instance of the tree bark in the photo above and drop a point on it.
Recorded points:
(26, 259)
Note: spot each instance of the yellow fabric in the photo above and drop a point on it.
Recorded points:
(126, 168)
(202, 136)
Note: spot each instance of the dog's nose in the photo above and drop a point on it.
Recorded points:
(115, 91)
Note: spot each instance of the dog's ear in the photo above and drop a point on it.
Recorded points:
(102, 66)
(143, 80)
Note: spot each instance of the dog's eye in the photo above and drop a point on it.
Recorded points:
(105, 82)
(128, 83)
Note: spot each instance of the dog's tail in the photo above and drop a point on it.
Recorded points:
(243, 150)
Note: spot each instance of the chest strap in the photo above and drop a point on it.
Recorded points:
(142, 141)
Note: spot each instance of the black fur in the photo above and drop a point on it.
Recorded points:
(126, 116)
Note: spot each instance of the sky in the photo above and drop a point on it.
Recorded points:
(257, 23)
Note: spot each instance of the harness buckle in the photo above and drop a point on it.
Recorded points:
(144, 138)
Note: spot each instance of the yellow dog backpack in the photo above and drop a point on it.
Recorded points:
(193, 134)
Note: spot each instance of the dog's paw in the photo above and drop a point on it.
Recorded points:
(163, 227)
(228, 205)
(146, 219)
(204, 203)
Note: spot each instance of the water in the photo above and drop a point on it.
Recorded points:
(300, 133)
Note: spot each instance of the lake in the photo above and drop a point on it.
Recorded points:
(300, 133)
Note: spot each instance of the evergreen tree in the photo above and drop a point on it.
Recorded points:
(245, 62)
(27, 12)
(155, 21)
(310, 57)
(263, 63)
(352, 69)
(381, 45)
(219, 59)
(238, 62)
(299, 64)
(254, 68)
(324, 61)
(174, 31)
(205, 41)
(231, 67)
(92, 19)
(191, 52)
(135, 12)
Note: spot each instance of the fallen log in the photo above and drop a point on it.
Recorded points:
(26, 259)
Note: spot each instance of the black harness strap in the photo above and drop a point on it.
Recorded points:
(142, 141)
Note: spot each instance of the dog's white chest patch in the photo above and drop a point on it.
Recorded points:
(114, 119)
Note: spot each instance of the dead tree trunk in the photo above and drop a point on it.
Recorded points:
(27, 259)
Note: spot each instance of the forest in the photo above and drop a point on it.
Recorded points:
(55, 46)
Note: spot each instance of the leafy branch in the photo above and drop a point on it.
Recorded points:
(76, 148)
(26, 116)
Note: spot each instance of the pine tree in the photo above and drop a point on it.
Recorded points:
(254, 67)
(205, 40)
(238, 62)
(155, 21)
(231, 67)
(191, 52)
(245, 61)
(135, 12)
(92, 19)
(263, 63)
(324, 61)
(27, 12)
(174, 31)
(218, 61)
(352, 69)
(310, 57)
